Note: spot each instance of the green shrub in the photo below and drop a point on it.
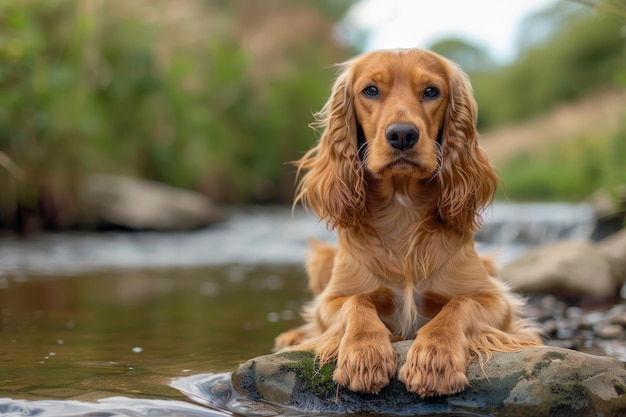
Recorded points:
(586, 54)
(97, 87)
(569, 171)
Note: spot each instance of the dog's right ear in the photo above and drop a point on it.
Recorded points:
(334, 184)
(467, 180)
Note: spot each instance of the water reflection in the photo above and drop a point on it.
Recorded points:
(108, 407)
(141, 343)
(103, 335)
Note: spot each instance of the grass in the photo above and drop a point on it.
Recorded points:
(567, 171)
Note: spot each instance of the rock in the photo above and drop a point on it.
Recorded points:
(138, 204)
(614, 247)
(619, 318)
(590, 320)
(609, 331)
(566, 268)
(540, 381)
(609, 206)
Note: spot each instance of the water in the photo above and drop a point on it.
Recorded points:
(264, 236)
(150, 324)
(536, 224)
(129, 334)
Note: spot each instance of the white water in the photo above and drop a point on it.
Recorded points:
(264, 236)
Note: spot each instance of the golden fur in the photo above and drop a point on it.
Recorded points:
(405, 216)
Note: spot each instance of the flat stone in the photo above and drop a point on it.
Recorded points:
(566, 268)
(614, 246)
(145, 205)
(532, 382)
(619, 318)
(610, 331)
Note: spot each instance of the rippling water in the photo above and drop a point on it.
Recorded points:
(150, 324)
(263, 236)
(120, 338)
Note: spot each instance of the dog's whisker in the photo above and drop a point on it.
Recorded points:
(362, 151)
(439, 155)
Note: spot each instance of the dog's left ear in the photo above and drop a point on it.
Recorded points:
(334, 184)
(466, 179)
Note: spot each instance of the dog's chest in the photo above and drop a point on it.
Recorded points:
(409, 314)
(395, 229)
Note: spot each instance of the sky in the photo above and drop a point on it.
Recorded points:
(418, 23)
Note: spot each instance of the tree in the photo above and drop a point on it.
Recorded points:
(470, 56)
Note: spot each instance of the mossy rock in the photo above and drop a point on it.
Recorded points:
(543, 381)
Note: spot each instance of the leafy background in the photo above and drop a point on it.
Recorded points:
(216, 96)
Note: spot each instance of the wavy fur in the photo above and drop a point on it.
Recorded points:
(405, 266)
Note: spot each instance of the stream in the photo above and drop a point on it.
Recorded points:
(148, 324)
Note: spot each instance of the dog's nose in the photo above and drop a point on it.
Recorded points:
(402, 136)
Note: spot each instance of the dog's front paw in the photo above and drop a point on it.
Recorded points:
(434, 368)
(365, 366)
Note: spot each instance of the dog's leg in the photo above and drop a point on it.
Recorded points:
(319, 265)
(366, 361)
(436, 362)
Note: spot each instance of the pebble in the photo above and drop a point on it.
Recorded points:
(610, 331)
(590, 330)
(590, 320)
(619, 318)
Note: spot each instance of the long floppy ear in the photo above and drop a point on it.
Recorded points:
(334, 185)
(466, 179)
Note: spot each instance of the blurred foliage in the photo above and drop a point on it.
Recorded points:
(612, 6)
(569, 171)
(584, 54)
(208, 95)
(215, 96)
(568, 52)
(469, 56)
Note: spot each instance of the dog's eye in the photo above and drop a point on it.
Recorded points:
(431, 92)
(371, 91)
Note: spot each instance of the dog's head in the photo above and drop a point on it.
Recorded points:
(405, 114)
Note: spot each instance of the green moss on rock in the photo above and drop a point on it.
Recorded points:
(552, 355)
(312, 377)
(536, 381)
(547, 359)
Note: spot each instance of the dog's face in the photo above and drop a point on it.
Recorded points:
(406, 119)
(400, 101)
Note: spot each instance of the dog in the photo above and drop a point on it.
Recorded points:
(399, 174)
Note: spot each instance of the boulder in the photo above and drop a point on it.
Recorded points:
(145, 205)
(609, 206)
(614, 247)
(566, 268)
(542, 381)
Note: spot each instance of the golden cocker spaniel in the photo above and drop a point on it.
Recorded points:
(399, 174)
